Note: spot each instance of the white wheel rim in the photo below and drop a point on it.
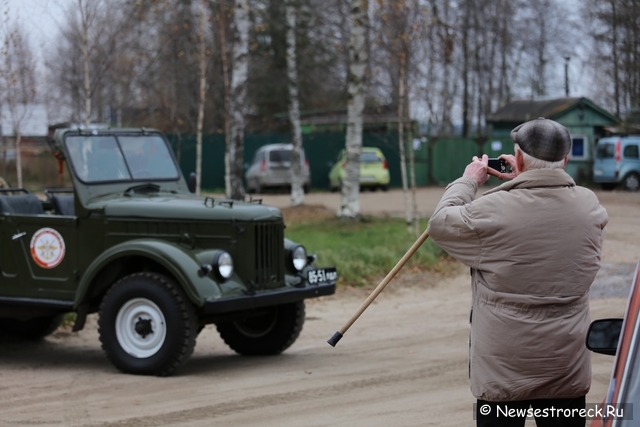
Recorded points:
(134, 313)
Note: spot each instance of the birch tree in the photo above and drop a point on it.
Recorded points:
(350, 193)
(237, 102)
(86, 11)
(297, 178)
(202, 59)
(18, 77)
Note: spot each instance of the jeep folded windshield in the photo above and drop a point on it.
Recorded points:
(105, 158)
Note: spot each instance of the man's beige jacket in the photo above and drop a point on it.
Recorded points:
(533, 245)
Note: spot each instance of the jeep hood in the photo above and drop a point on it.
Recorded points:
(184, 207)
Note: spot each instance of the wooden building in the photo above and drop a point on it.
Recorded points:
(585, 121)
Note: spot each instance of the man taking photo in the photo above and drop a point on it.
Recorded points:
(534, 246)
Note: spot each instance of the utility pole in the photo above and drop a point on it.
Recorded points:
(566, 76)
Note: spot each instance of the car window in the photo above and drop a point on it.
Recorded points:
(631, 151)
(369, 157)
(605, 151)
(280, 156)
(101, 158)
(148, 157)
(97, 158)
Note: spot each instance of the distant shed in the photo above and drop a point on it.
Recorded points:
(585, 121)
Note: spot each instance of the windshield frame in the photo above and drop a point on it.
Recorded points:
(117, 135)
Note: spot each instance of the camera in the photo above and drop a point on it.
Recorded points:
(499, 165)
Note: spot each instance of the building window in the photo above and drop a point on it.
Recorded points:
(578, 147)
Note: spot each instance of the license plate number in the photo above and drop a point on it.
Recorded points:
(597, 172)
(367, 178)
(322, 275)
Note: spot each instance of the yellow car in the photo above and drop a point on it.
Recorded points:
(374, 170)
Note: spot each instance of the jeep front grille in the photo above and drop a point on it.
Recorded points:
(269, 257)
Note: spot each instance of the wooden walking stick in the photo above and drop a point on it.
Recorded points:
(338, 335)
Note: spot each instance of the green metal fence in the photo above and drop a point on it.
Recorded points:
(438, 161)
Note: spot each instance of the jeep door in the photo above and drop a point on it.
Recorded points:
(39, 256)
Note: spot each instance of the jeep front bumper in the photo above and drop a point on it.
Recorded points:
(266, 298)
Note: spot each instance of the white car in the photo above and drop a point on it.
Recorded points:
(271, 168)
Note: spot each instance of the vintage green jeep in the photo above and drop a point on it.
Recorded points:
(131, 242)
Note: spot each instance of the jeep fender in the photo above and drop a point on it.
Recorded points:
(179, 261)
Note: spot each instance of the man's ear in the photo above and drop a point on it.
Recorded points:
(566, 160)
(519, 161)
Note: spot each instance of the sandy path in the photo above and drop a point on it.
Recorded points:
(404, 363)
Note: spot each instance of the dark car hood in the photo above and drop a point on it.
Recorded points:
(183, 207)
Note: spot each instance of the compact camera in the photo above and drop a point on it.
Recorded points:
(499, 165)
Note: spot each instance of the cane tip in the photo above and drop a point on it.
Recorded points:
(334, 339)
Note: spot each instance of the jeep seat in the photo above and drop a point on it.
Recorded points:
(63, 204)
(23, 204)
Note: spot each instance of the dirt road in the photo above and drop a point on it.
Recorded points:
(404, 363)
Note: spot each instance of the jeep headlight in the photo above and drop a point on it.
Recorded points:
(223, 265)
(298, 257)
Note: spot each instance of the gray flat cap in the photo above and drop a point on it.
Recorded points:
(543, 139)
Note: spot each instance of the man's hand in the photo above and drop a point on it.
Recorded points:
(510, 159)
(477, 169)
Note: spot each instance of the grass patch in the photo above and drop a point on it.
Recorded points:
(363, 251)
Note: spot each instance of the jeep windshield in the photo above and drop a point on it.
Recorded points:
(122, 158)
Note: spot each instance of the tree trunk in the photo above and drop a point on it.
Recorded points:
(222, 24)
(18, 157)
(201, 96)
(85, 64)
(465, 71)
(401, 143)
(614, 53)
(237, 99)
(412, 172)
(297, 178)
(350, 193)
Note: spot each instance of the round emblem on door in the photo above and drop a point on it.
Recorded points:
(47, 248)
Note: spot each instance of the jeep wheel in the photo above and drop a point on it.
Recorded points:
(147, 325)
(271, 331)
(31, 328)
(632, 181)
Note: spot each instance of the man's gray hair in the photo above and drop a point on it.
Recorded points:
(531, 162)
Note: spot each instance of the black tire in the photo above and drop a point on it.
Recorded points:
(32, 328)
(385, 188)
(632, 182)
(164, 314)
(607, 186)
(306, 188)
(270, 332)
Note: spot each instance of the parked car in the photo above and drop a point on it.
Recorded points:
(374, 170)
(271, 167)
(617, 162)
(131, 242)
(621, 337)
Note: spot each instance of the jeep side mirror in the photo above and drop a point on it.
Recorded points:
(191, 182)
(603, 336)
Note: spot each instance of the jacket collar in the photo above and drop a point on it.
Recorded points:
(537, 178)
